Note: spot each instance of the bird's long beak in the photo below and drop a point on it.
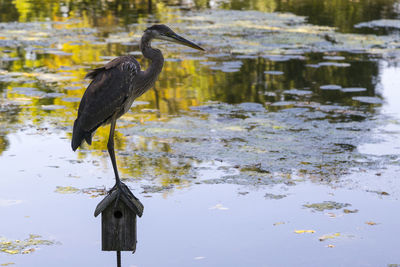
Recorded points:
(183, 41)
(180, 40)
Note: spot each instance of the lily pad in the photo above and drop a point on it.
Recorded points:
(334, 64)
(368, 99)
(273, 196)
(334, 58)
(382, 23)
(330, 87)
(283, 104)
(326, 205)
(297, 92)
(353, 89)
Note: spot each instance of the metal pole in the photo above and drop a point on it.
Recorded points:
(118, 258)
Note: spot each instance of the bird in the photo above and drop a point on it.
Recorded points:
(115, 86)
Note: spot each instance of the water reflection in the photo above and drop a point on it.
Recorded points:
(340, 14)
(45, 57)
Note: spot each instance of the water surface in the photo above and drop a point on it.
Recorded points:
(294, 104)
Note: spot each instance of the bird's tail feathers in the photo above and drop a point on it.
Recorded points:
(88, 138)
(78, 135)
(93, 73)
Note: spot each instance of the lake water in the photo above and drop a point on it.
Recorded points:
(278, 146)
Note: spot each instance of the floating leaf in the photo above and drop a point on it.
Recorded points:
(94, 192)
(66, 190)
(382, 193)
(350, 211)
(278, 223)
(23, 246)
(304, 231)
(325, 237)
(27, 251)
(371, 223)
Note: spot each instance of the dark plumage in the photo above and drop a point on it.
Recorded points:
(116, 85)
(108, 93)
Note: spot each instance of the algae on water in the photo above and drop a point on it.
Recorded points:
(25, 246)
(327, 205)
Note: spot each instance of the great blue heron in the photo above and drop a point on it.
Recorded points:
(116, 85)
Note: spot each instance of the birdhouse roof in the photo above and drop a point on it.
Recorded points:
(127, 197)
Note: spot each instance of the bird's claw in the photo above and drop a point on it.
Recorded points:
(120, 190)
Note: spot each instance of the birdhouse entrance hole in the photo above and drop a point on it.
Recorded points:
(118, 214)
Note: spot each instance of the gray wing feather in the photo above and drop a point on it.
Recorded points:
(107, 92)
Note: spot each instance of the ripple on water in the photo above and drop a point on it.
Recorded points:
(71, 88)
(28, 91)
(53, 95)
(329, 64)
(52, 107)
(71, 99)
(273, 72)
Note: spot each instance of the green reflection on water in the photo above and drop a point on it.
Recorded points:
(340, 14)
(46, 56)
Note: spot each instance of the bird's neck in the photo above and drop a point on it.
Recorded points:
(155, 55)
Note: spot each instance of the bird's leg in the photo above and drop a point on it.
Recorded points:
(119, 186)
(110, 147)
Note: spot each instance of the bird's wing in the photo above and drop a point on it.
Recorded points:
(107, 92)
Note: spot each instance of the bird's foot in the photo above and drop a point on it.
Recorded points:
(121, 189)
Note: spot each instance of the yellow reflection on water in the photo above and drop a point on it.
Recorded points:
(70, 40)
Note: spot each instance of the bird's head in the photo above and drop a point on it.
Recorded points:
(163, 32)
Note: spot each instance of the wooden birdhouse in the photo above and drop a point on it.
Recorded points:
(118, 220)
